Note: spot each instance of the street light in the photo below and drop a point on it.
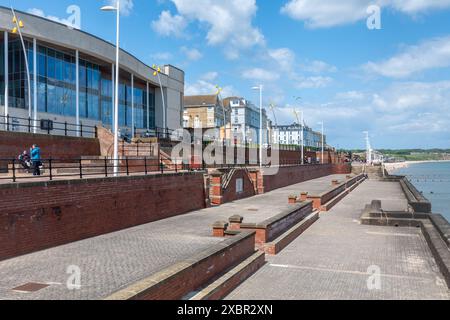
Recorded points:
(323, 142)
(260, 88)
(302, 128)
(157, 73)
(17, 29)
(219, 90)
(272, 107)
(369, 148)
(116, 97)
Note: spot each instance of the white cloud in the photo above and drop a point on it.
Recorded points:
(204, 87)
(228, 23)
(192, 54)
(285, 66)
(161, 57)
(318, 66)
(325, 13)
(260, 74)
(313, 82)
(210, 76)
(415, 97)
(350, 95)
(169, 25)
(434, 53)
(126, 6)
(67, 21)
(321, 13)
(416, 6)
(284, 57)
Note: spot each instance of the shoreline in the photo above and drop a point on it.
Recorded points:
(393, 166)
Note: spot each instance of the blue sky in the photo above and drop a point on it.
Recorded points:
(393, 82)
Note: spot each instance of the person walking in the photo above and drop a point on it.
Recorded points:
(36, 160)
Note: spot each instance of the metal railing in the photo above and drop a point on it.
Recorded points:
(157, 132)
(255, 164)
(18, 124)
(54, 169)
(81, 168)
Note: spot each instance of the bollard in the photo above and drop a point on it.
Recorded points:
(235, 222)
(219, 229)
(334, 182)
(304, 196)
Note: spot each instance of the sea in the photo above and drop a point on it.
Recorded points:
(433, 180)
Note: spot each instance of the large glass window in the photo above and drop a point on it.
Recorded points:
(57, 86)
(18, 81)
(90, 90)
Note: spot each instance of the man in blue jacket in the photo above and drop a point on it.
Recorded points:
(36, 159)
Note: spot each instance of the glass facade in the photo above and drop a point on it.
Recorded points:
(56, 87)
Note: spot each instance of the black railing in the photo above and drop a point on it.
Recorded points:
(46, 126)
(159, 133)
(61, 169)
(255, 164)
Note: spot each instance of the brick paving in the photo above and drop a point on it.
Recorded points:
(113, 261)
(331, 259)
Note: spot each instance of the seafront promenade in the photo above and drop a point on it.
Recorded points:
(113, 261)
(331, 259)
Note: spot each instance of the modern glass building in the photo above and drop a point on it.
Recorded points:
(72, 79)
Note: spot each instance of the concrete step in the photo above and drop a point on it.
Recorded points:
(224, 285)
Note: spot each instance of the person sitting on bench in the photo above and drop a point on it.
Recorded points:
(25, 161)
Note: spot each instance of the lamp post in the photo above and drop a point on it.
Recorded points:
(303, 130)
(157, 73)
(116, 97)
(323, 143)
(260, 88)
(369, 148)
(17, 29)
(302, 134)
(277, 135)
(219, 91)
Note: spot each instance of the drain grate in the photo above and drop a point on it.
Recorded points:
(253, 209)
(31, 287)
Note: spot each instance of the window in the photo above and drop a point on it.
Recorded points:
(239, 185)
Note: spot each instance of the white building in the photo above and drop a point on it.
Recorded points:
(245, 121)
(291, 135)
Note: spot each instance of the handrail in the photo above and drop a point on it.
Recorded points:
(9, 123)
(80, 168)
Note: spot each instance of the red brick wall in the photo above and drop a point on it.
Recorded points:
(58, 147)
(342, 168)
(178, 284)
(221, 196)
(42, 215)
(249, 189)
(291, 175)
(295, 174)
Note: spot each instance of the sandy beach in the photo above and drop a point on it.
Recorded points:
(391, 167)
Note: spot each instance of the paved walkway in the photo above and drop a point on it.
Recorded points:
(113, 261)
(331, 259)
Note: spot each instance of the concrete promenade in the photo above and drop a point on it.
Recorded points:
(331, 259)
(114, 261)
